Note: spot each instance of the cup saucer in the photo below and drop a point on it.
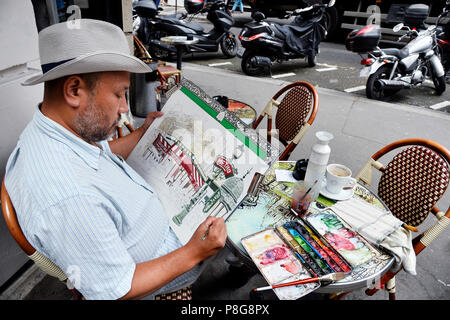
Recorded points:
(343, 195)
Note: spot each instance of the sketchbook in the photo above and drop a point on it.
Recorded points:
(200, 159)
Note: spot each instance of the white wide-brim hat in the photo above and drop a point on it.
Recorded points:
(84, 46)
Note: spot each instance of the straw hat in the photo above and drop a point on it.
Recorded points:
(85, 46)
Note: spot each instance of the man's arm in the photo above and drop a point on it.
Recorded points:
(151, 275)
(124, 145)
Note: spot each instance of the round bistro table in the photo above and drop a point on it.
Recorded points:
(179, 42)
(269, 209)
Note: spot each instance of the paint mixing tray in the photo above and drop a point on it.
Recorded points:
(278, 263)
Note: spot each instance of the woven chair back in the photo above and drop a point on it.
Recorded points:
(413, 182)
(293, 111)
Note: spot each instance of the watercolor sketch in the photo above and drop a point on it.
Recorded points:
(277, 264)
(269, 207)
(199, 158)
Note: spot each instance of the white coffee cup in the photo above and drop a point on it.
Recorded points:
(338, 177)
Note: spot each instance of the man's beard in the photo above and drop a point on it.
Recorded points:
(90, 124)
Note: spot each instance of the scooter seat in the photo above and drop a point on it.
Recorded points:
(399, 53)
(191, 25)
(278, 31)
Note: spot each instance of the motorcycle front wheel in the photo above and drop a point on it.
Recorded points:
(312, 60)
(439, 83)
(229, 46)
(248, 67)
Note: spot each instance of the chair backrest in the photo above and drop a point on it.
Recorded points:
(9, 213)
(415, 179)
(296, 112)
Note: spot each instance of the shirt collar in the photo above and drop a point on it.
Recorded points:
(89, 153)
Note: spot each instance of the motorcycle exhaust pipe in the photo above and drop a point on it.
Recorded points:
(383, 84)
(165, 46)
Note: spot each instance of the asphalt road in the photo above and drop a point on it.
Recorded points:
(337, 69)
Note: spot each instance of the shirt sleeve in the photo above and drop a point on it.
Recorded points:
(81, 235)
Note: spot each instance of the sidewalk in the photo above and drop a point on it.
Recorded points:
(360, 128)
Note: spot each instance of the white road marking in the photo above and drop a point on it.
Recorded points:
(440, 105)
(326, 65)
(283, 75)
(327, 69)
(219, 64)
(355, 89)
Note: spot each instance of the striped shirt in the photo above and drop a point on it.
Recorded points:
(86, 210)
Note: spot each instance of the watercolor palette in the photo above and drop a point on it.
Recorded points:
(315, 252)
(278, 263)
(353, 247)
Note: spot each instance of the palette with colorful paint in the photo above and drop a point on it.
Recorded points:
(278, 263)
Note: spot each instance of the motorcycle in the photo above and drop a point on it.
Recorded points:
(150, 28)
(263, 43)
(443, 38)
(392, 69)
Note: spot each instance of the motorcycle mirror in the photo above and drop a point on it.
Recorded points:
(398, 27)
(331, 3)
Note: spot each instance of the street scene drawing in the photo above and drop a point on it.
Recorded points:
(201, 168)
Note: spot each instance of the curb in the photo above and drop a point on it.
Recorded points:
(20, 288)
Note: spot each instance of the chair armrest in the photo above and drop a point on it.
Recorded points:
(433, 232)
(365, 174)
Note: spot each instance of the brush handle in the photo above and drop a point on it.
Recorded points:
(293, 283)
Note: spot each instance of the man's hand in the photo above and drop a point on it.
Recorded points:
(205, 246)
(153, 274)
(150, 118)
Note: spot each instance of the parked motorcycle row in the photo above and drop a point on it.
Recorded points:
(425, 54)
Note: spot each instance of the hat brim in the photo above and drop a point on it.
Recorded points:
(93, 62)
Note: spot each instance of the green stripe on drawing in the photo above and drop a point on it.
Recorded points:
(226, 124)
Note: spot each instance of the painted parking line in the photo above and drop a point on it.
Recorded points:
(326, 69)
(440, 105)
(354, 89)
(282, 75)
(219, 64)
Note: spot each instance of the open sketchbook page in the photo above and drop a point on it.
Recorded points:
(199, 158)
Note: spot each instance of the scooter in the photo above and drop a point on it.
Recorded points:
(152, 27)
(390, 70)
(263, 43)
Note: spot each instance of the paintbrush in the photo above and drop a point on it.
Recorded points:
(328, 277)
(206, 233)
(308, 191)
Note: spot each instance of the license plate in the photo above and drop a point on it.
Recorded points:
(240, 52)
(365, 71)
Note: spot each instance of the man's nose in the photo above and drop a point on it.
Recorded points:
(123, 105)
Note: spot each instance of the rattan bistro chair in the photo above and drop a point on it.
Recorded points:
(295, 113)
(411, 185)
(45, 264)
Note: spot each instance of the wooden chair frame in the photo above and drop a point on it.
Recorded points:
(268, 111)
(423, 240)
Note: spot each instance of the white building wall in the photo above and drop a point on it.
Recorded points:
(19, 59)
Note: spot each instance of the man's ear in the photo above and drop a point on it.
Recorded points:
(75, 91)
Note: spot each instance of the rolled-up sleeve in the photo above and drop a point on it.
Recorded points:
(82, 236)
